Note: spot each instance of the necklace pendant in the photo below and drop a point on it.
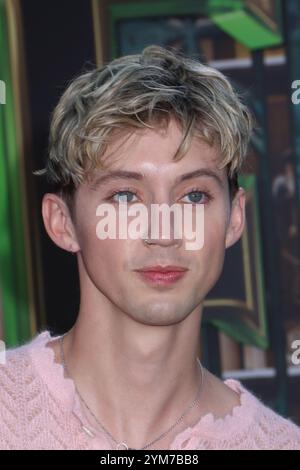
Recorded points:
(122, 446)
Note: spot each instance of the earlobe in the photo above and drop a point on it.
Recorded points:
(58, 222)
(237, 218)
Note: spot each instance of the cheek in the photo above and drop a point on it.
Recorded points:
(211, 256)
(214, 234)
(102, 262)
(102, 255)
(86, 234)
(215, 225)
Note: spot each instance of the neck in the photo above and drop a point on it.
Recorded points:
(137, 379)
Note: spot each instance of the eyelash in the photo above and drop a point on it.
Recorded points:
(207, 194)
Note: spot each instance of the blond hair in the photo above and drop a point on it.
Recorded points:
(143, 91)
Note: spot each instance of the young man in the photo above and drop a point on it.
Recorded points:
(149, 129)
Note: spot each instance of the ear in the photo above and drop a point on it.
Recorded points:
(58, 222)
(237, 218)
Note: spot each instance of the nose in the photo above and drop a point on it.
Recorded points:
(164, 228)
(164, 242)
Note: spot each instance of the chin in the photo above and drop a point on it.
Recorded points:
(159, 315)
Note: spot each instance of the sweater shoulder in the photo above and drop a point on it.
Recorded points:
(276, 431)
(19, 386)
(18, 370)
(16, 361)
(251, 425)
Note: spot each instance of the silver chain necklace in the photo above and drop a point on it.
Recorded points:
(123, 445)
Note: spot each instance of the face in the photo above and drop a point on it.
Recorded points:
(112, 264)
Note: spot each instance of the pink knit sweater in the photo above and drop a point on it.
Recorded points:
(39, 409)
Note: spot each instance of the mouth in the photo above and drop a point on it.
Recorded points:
(162, 275)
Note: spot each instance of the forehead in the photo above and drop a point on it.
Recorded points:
(150, 152)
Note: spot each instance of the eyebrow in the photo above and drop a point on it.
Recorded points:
(123, 174)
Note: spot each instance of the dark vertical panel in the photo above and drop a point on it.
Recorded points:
(58, 44)
(270, 243)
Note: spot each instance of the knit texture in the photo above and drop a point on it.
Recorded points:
(40, 409)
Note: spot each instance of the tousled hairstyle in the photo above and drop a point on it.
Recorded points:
(144, 91)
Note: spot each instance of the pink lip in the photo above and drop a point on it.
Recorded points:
(162, 269)
(162, 275)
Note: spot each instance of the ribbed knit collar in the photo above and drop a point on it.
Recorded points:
(63, 388)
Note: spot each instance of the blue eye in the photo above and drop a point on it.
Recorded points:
(197, 196)
(123, 196)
